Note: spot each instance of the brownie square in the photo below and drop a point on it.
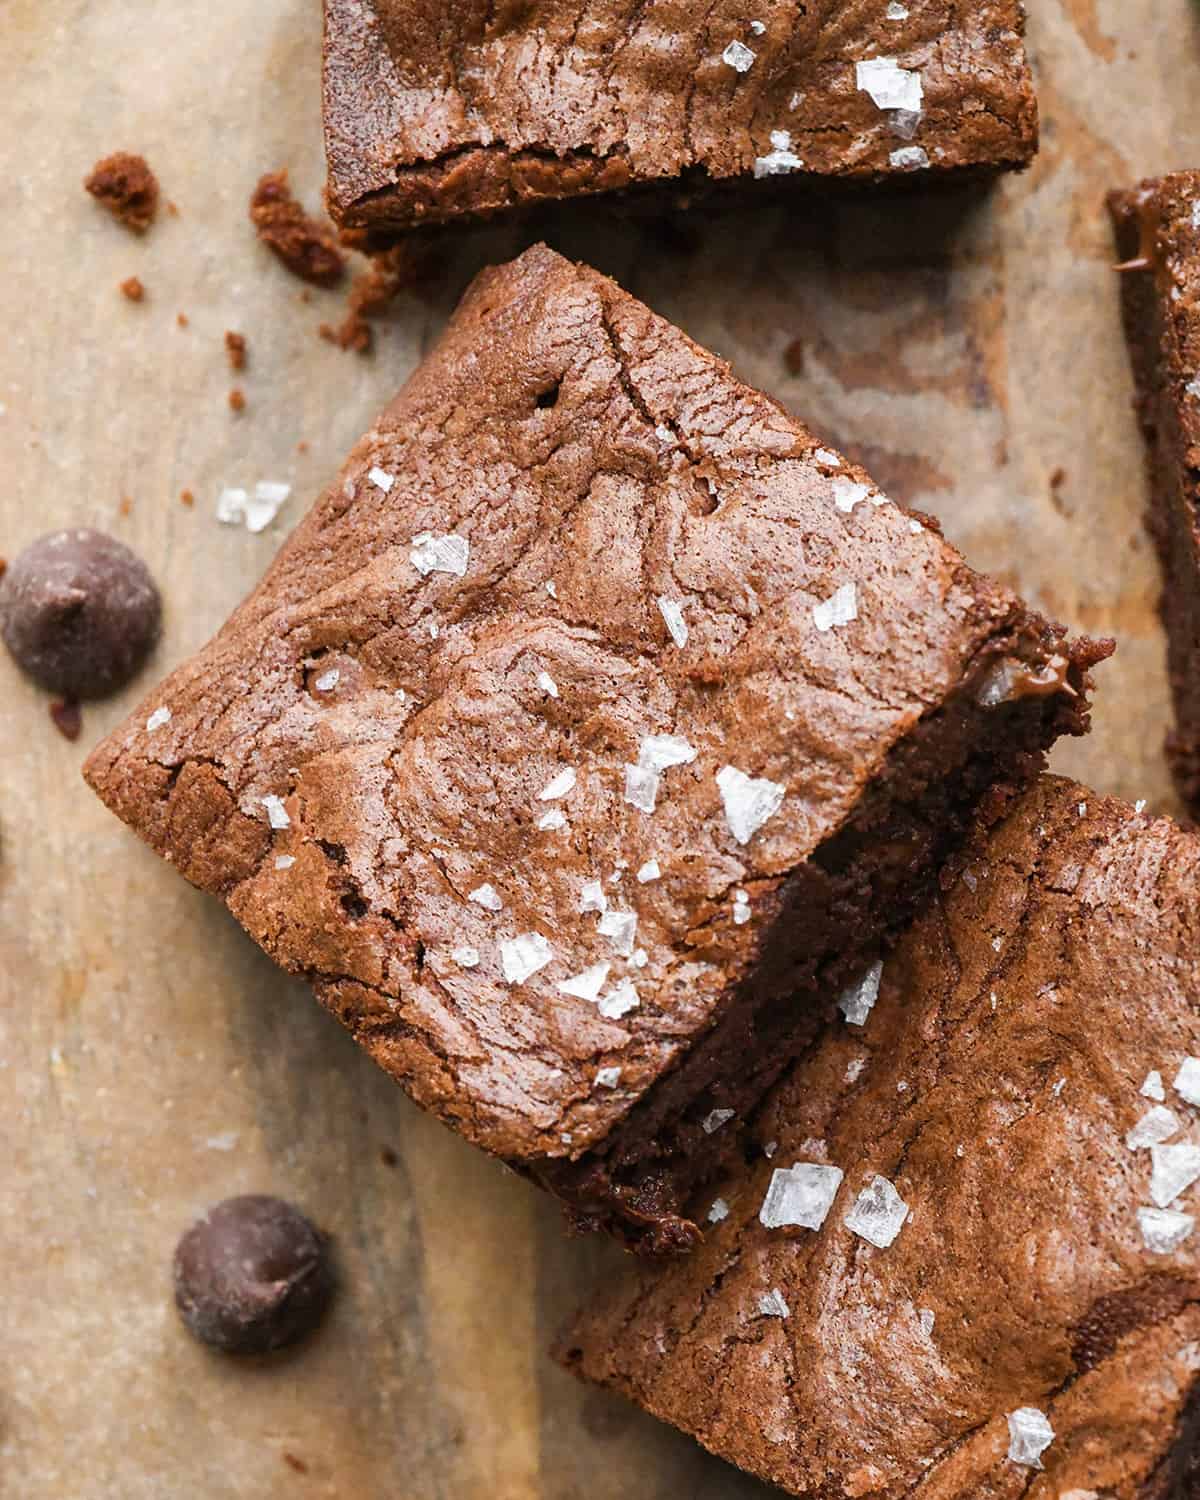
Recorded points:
(592, 717)
(1157, 229)
(435, 113)
(966, 1249)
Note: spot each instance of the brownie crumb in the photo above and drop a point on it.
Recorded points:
(793, 357)
(127, 187)
(182, 319)
(301, 446)
(67, 718)
(413, 262)
(387, 1156)
(1058, 478)
(132, 288)
(235, 347)
(305, 246)
(172, 208)
(295, 1463)
(126, 506)
(187, 498)
(237, 399)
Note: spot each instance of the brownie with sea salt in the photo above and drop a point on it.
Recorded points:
(593, 717)
(1157, 228)
(964, 1262)
(437, 113)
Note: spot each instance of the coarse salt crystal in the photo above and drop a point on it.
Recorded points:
(749, 801)
(715, 1118)
(640, 958)
(672, 613)
(592, 897)
(547, 684)
(380, 478)
(485, 895)
(757, 28)
(440, 554)
(466, 957)
(800, 1196)
(909, 157)
(895, 11)
(260, 510)
(1163, 1229)
(741, 908)
(1173, 1170)
(889, 85)
(328, 680)
(620, 928)
(608, 1078)
(839, 609)
(858, 999)
(522, 956)
(586, 985)
(878, 1214)
(1156, 1125)
(780, 159)
(641, 788)
(1140, 805)
(1152, 1088)
(277, 815)
(648, 872)
(828, 457)
(558, 786)
(664, 434)
(284, 861)
(738, 56)
(773, 1304)
(718, 1211)
(1029, 1435)
(551, 820)
(659, 752)
(854, 1069)
(621, 999)
(552, 588)
(231, 507)
(847, 493)
(1187, 1080)
(157, 719)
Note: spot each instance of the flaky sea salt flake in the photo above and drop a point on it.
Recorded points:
(522, 956)
(1029, 1435)
(558, 786)
(741, 908)
(878, 1214)
(648, 872)
(847, 493)
(157, 719)
(284, 861)
(620, 928)
(773, 1305)
(327, 681)
(857, 1000)
(738, 56)
(547, 684)
(1152, 1088)
(839, 609)
(621, 999)
(586, 985)
(466, 957)
(486, 895)
(1156, 1125)
(380, 478)
(440, 554)
(592, 897)
(231, 506)
(909, 158)
(715, 1118)
(641, 788)
(551, 820)
(1173, 1169)
(672, 613)
(718, 1211)
(1163, 1229)
(608, 1078)
(265, 504)
(1187, 1080)
(800, 1195)
(277, 815)
(889, 85)
(749, 801)
(659, 752)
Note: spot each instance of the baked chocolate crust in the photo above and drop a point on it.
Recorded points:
(1158, 243)
(414, 762)
(434, 114)
(993, 1085)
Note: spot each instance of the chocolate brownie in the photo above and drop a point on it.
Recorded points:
(965, 1250)
(433, 113)
(591, 717)
(1158, 239)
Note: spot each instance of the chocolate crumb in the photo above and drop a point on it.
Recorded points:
(252, 1275)
(182, 319)
(133, 289)
(413, 262)
(793, 357)
(127, 187)
(235, 347)
(67, 718)
(1058, 478)
(305, 246)
(126, 506)
(187, 498)
(387, 1156)
(237, 399)
(295, 1463)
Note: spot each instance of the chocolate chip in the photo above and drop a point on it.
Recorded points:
(79, 612)
(251, 1275)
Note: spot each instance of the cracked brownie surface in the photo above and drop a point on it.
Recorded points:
(1157, 227)
(1025, 1088)
(591, 717)
(434, 112)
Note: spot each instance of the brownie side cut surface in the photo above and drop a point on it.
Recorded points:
(590, 720)
(1157, 228)
(436, 113)
(999, 1165)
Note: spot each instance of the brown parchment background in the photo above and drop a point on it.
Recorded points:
(964, 347)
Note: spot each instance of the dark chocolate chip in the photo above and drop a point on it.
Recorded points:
(252, 1275)
(79, 612)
